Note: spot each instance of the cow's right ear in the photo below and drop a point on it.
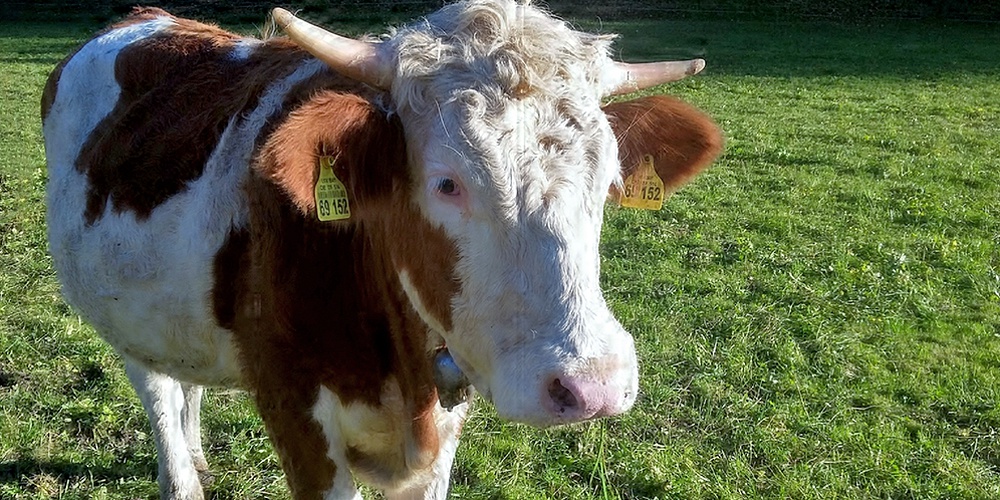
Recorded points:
(681, 139)
(366, 145)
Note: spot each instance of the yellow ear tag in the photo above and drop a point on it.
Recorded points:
(643, 189)
(331, 195)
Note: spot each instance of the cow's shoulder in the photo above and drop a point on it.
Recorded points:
(179, 90)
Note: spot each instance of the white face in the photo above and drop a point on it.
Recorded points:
(519, 185)
(512, 158)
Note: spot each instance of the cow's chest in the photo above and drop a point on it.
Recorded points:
(386, 444)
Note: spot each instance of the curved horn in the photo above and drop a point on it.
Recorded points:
(631, 77)
(353, 58)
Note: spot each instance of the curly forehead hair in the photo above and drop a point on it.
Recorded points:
(504, 47)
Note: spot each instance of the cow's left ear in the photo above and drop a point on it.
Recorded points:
(366, 146)
(681, 139)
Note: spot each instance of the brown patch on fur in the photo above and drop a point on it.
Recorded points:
(229, 261)
(370, 161)
(138, 15)
(682, 139)
(340, 125)
(297, 438)
(179, 90)
(323, 305)
(311, 304)
(52, 84)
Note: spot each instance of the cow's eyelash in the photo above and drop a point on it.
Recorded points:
(447, 186)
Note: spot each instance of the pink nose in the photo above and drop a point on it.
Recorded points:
(573, 399)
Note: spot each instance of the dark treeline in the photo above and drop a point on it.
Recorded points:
(241, 11)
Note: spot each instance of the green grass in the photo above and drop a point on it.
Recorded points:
(818, 315)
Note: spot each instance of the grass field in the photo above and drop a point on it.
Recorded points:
(818, 315)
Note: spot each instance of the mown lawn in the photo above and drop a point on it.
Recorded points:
(818, 315)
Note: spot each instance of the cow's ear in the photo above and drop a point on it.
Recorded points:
(681, 139)
(364, 143)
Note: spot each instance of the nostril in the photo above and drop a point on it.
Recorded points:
(563, 397)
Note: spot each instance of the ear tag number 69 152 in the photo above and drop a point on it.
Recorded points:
(643, 189)
(331, 195)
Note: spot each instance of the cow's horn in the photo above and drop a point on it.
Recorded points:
(637, 76)
(353, 58)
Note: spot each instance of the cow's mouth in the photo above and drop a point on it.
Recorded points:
(453, 386)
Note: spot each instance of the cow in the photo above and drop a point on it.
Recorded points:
(356, 232)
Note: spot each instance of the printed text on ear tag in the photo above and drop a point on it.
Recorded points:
(643, 189)
(331, 195)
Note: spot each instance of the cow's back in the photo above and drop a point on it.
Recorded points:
(149, 130)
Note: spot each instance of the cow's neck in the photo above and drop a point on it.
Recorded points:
(323, 308)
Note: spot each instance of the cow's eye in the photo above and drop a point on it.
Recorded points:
(447, 186)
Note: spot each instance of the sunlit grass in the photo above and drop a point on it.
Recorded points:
(817, 315)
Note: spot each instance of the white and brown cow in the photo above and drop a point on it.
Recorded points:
(475, 157)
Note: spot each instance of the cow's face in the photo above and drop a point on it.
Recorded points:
(512, 157)
(530, 326)
(520, 192)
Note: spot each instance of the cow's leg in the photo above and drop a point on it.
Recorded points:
(300, 428)
(163, 399)
(191, 423)
(449, 424)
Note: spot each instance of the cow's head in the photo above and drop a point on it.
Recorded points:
(511, 157)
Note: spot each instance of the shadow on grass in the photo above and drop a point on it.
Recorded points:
(901, 48)
(811, 48)
(20, 470)
(45, 44)
(48, 52)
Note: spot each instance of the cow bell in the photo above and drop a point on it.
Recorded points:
(453, 386)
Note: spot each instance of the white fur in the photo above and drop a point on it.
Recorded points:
(165, 400)
(381, 431)
(327, 411)
(506, 100)
(144, 285)
(511, 109)
(438, 476)
(244, 48)
(435, 337)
